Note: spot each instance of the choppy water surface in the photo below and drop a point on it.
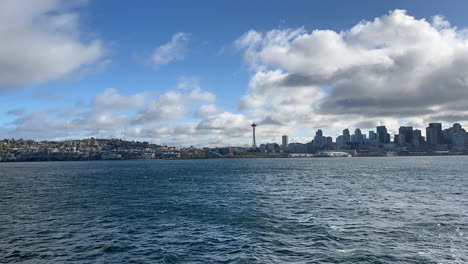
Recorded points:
(357, 210)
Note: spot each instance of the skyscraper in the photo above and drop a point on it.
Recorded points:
(406, 135)
(346, 136)
(457, 128)
(459, 136)
(284, 143)
(340, 140)
(382, 135)
(358, 136)
(417, 138)
(434, 134)
(318, 139)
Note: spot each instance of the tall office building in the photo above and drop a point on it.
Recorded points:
(458, 139)
(405, 135)
(434, 134)
(319, 139)
(285, 143)
(418, 139)
(340, 140)
(346, 136)
(459, 136)
(372, 135)
(382, 135)
(358, 136)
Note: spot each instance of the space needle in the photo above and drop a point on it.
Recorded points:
(254, 144)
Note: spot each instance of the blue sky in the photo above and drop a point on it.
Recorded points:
(210, 60)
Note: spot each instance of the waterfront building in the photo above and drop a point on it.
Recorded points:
(457, 128)
(405, 136)
(434, 134)
(382, 135)
(284, 142)
(340, 140)
(372, 135)
(272, 147)
(418, 139)
(358, 138)
(448, 134)
(297, 148)
(458, 139)
(400, 140)
(319, 139)
(346, 136)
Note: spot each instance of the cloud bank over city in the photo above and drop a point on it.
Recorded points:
(393, 67)
(391, 70)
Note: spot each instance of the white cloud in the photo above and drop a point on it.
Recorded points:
(225, 123)
(174, 50)
(393, 68)
(173, 105)
(207, 110)
(42, 41)
(111, 99)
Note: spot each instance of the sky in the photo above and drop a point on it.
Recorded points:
(200, 72)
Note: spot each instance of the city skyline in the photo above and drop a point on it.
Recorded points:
(377, 143)
(380, 134)
(194, 77)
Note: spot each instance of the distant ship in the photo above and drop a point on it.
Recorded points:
(332, 154)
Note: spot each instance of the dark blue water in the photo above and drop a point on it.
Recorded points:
(357, 210)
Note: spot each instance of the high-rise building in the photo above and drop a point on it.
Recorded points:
(284, 143)
(346, 136)
(457, 128)
(318, 139)
(382, 135)
(458, 139)
(372, 135)
(340, 141)
(405, 135)
(434, 134)
(458, 136)
(358, 136)
(418, 139)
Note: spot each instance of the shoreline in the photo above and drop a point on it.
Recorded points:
(237, 157)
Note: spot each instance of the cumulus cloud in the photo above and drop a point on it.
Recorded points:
(225, 123)
(174, 50)
(166, 118)
(173, 105)
(42, 41)
(111, 99)
(393, 70)
(394, 67)
(207, 110)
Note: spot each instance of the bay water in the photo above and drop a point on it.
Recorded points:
(304, 210)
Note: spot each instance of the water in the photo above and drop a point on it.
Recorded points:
(358, 210)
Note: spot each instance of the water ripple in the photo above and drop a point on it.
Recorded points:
(363, 210)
